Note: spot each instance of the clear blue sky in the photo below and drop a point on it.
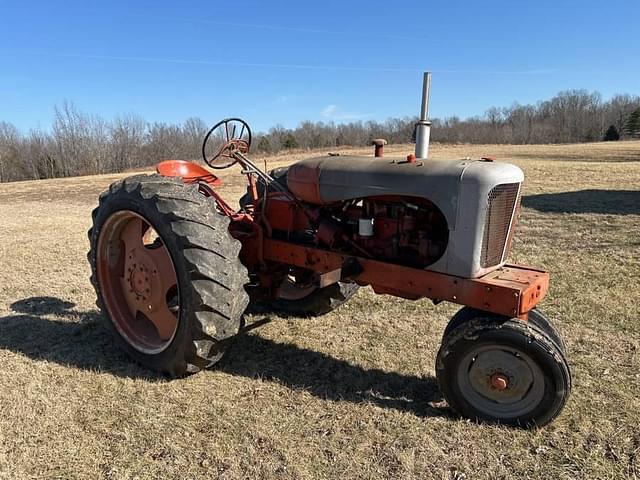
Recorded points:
(283, 62)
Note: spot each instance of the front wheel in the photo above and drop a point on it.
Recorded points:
(503, 370)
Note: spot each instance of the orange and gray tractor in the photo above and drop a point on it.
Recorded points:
(175, 266)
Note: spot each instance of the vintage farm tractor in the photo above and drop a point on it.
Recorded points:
(175, 266)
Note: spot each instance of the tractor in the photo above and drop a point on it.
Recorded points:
(175, 266)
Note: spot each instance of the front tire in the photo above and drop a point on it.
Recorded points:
(159, 248)
(536, 317)
(501, 370)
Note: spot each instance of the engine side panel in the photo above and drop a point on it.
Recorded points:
(460, 189)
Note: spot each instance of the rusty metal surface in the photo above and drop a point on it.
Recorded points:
(512, 290)
(378, 144)
(135, 280)
(282, 214)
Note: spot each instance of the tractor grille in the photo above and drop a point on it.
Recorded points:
(502, 203)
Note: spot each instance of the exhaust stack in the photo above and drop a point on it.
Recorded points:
(423, 127)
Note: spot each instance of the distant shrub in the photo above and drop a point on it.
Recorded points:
(611, 134)
(290, 141)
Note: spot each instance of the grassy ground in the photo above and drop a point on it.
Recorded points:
(350, 395)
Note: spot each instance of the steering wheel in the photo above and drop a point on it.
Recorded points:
(226, 137)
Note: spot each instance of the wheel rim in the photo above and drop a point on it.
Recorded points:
(138, 282)
(500, 382)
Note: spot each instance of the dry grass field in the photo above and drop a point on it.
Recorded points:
(349, 395)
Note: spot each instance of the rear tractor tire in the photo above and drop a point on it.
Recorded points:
(503, 370)
(166, 273)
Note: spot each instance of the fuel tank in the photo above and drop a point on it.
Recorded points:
(478, 199)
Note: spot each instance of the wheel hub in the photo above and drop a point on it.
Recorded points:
(139, 281)
(499, 381)
(144, 288)
(500, 376)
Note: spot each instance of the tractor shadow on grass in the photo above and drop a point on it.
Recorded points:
(49, 329)
(612, 202)
(330, 378)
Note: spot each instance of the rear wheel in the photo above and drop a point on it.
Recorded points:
(503, 370)
(166, 273)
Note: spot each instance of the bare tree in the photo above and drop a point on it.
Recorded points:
(9, 155)
(127, 135)
(194, 129)
(86, 144)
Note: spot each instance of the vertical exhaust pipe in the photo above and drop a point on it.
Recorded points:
(423, 127)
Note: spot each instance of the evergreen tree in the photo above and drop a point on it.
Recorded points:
(290, 141)
(632, 125)
(612, 134)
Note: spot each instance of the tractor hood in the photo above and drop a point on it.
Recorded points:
(330, 179)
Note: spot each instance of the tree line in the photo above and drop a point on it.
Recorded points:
(83, 144)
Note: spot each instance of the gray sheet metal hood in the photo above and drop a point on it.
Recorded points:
(459, 188)
(338, 178)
